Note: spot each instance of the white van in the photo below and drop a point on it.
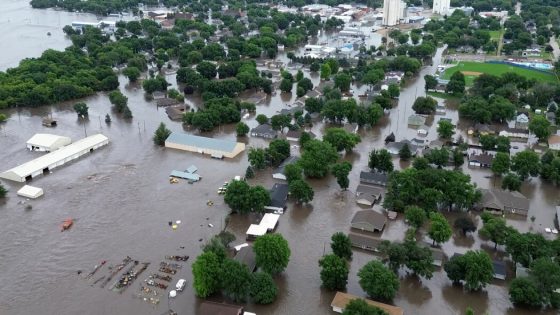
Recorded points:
(181, 284)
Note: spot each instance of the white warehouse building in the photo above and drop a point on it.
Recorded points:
(47, 162)
(47, 142)
(393, 12)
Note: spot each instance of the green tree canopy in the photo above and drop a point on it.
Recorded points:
(263, 290)
(334, 272)
(272, 253)
(317, 157)
(206, 274)
(300, 190)
(341, 245)
(341, 171)
(525, 163)
(540, 126)
(360, 307)
(235, 279)
(340, 139)
(161, 134)
(415, 216)
(378, 281)
(445, 129)
(440, 230)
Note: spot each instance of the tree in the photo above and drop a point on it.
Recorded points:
(424, 105)
(257, 158)
(431, 82)
(525, 163)
(286, 86)
(415, 216)
(488, 142)
(341, 245)
(439, 231)
(325, 71)
(511, 182)
(118, 100)
(540, 126)
(206, 274)
(439, 157)
(263, 290)
(342, 81)
(317, 157)
(242, 129)
(496, 230)
(272, 253)
(341, 171)
(279, 122)
(249, 173)
(81, 109)
(394, 90)
(161, 134)
(458, 157)
(378, 281)
(242, 198)
(404, 153)
(235, 279)
(334, 272)
(206, 69)
(315, 66)
(156, 84)
(500, 164)
(132, 73)
(3, 191)
(419, 259)
(127, 114)
(455, 269)
(445, 129)
(465, 224)
(524, 292)
(304, 138)
(456, 83)
(292, 172)
(341, 139)
(360, 307)
(300, 191)
(381, 160)
(261, 119)
(475, 268)
(421, 163)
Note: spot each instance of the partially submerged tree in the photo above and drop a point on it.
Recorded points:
(161, 134)
(272, 253)
(378, 281)
(341, 171)
(334, 272)
(263, 290)
(439, 231)
(341, 245)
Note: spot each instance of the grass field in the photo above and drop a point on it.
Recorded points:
(473, 69)
(495, 35)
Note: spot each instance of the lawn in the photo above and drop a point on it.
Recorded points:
(474, 69)
(495, 35)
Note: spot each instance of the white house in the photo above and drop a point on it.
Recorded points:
(47, 142)
(554, 142)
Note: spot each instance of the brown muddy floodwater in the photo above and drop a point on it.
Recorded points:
(122, 201)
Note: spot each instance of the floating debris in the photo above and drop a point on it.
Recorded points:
(177, 258)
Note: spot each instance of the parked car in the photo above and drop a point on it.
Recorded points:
(181, 284)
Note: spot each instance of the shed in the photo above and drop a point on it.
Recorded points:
(246, 256)
(368, 220)
(175, 112)
(341, 299)
(499, 269)
(204, 145)
(212, 308)
(279, 172)
(270, 221)
(438, 256)
(364, 242)
(255, 230)
(368, 195)
(278, 198)
(374, 178)
(49, 161)
(46, 142)
(30, 192)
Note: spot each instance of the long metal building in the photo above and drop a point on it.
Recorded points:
(47, 162)
(217, 148)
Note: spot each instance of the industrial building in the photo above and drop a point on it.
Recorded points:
(217, 148)
(47, 162)
(441, 7)
(45, 142)
(30, 192)
(393, 12)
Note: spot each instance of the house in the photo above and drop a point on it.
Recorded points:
(264, 131)
(374, 178)
(484, 129)
(395, 147)
(45, 142)
(522, 121)
(394, 75)
(175, 112)
(416, 120)
(499, 269)
(364, 242)
(554, 142)
(504, 201)
(368, 195)
(270, 221)
(341, 299)
(483, 160)
(212, 308)
(438, 256)
(47, 162)
(246, 256)
(30, 192)
(278, 198)
(164, 102)
(368, 220)
(515, 133)
(279, 173)
(291, 111)
(294, 135)
(217, 148)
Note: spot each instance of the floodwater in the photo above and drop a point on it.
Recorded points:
(122, 201)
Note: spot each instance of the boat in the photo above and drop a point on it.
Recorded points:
(67, 224)
(177, 258)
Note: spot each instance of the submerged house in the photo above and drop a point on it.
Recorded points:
(483, 160)
(368, 195)
(341, 299)
(374, 178)
(364, 242)
(278, 198)
(503, 201)
(217, 148)
(279, 172)
(368, 220)
(264, 131)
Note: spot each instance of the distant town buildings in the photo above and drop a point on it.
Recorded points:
(441, 7)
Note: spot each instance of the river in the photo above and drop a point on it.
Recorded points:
(122, 201)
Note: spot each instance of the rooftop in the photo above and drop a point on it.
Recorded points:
(246, 256)
(376, 219)
(212, 308)
(278, 195)
(46, 139)
(202, 142)
(499, 199)
(269, 221)
(341, 299)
